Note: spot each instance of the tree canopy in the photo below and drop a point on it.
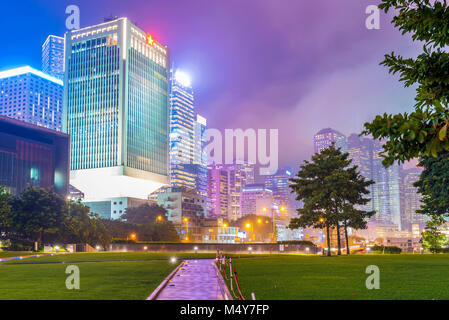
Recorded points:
(422, 132)
(331, 189)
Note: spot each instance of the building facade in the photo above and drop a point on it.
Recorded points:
(258, 200)
(53, 56)
(32, 155)
(181, 202)
(361, 153)
(182, 131)
(411, 200)
(326, 137)
(218, 191)
(386, 193)
(116, 104)
(32, 96)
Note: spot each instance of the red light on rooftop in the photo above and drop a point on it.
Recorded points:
(150, 40)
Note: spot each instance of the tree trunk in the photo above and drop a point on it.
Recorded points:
(347, 239)
(338, 239)
(328, 241)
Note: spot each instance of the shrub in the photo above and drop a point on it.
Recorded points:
(386, 249)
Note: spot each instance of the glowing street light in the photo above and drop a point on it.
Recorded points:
(159, 218)
(259, 220)
(173, 259)
(133, 236)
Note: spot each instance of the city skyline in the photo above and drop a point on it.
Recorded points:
(250, 93)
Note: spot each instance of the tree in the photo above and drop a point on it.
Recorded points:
(432, 239)
(329, 188)
(5, 209)
(38, 211)
(433, 185)
(84, 227)
(423, 132)
(144, 214)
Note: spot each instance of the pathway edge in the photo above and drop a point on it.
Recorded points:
(164, 283)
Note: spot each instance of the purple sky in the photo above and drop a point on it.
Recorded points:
(293, 65)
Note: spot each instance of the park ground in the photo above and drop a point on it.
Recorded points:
(135, 275)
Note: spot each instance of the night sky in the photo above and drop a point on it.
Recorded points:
(293, 65)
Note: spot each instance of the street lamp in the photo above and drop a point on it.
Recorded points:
(159, 218)
(249, 226)
(186, 220)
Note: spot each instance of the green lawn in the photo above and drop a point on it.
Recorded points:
(102, 256)
(317, 277)
(106, 280)
(7, 254)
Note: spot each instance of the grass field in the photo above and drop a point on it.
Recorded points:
(107, 280)
(269, 277)
(7, 254)
(317, 277)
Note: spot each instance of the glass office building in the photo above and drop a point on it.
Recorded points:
(32, 155)
(32, 96)
(326, 137)
(182, 131)
(116, 104)
(53, 56)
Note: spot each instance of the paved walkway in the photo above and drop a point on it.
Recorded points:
(196, 280)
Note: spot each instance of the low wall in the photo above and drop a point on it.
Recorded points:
(262, 248)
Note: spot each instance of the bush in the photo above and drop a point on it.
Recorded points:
(301, 242)
(439, 250)
(20, 245)
(386, 249)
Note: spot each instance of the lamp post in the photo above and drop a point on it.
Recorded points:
(249, 226)
(186, 220)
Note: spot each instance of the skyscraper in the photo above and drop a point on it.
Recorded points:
(361, 153)
(325, 137)
(410, 200)
(31, 96)
(116, 104)
(200, 154)
(53, 56)
(218, 196)
(182, 118)
(280, 183)
(386, 195)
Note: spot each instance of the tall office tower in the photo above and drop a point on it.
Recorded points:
(200, 155)
(240, 175)
(386, 195)
(182, 131)
(31, 96)
(257, 199)
(325, 137)
(217, 191)
(53, 56)
(361, 152)
(411, 200)
(116, 105)
(280, 183)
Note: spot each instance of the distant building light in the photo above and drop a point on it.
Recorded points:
(183, 78)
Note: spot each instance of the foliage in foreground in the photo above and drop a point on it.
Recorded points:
(423, 132)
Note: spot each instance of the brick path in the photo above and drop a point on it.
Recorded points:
(196, 280)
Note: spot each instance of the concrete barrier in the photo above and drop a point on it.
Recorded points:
(256, 248)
